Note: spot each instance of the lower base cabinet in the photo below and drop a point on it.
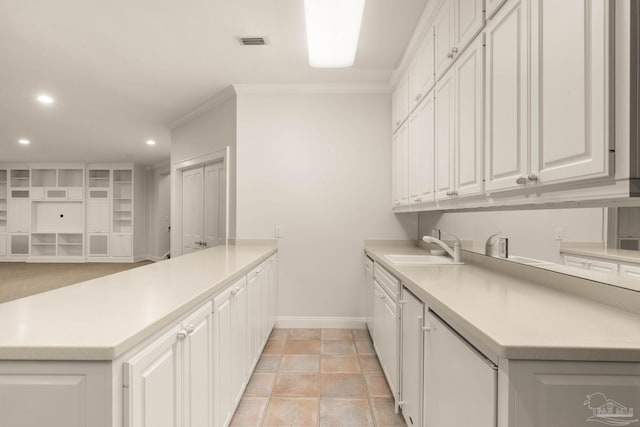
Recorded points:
(412, 338)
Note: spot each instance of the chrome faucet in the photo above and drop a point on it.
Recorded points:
(490, 243)
(456, 253)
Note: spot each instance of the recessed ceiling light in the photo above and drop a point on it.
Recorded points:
(333, 29)
(45, 99)
(151, 142)
(24, 141)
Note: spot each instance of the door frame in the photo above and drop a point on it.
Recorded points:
(176, 193)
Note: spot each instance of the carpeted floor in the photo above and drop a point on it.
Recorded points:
(21, 279)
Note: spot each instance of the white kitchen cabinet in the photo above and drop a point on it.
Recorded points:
(98, 216)
(223, 392)
(239, 343)
(369, 295)
(507, 101)
(19, 215)
(261, 316)
(152, 382)
(576, 262)
(120, 244)
(630, 271)
(444, 137)
(460, 384)
(400, 102)
(400, 167)
(570, 90)
(603, 266)
(421, 152)
(469, 119)
(412, 362)
(3, 244)
(455, 26)
(421, 71)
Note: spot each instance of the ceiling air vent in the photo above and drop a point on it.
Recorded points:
(253, 41)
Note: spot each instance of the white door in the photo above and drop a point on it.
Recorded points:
(421, 71)
(400, 163)
(223, 355)
(421, 152)
(444, 137)
(164, 213)
(469, 119)
(192, 210)
(214, 205)
(443, 29)
(197, 367)
(412, 359)
(152, 380)
(507, 100)
(19, 215)
(570, 82)
(98, 216)
(460, 385)
(468, 20)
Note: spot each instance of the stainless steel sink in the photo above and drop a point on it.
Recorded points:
(420, 259)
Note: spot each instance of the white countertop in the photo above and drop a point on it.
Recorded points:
(101, 319)
(619, 255)
(509, 317)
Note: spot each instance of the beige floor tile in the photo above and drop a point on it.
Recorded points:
(377, 385)
(383, 412)
(268, 363)
(360, 334)
(300, 363)
(331, 363)
(369, 363)
(365, 347)
(345, 412)
(303, 334)
(342, 385)
(338, 347)
(279, 334)
(249, 412)
(302, 347)
(273, 347)
(296, 385)
(288, 411)
(337, 334)
(260, 384)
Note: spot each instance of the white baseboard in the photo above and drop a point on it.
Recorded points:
(321, 322)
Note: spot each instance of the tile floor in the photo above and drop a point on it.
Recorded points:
(317, 377)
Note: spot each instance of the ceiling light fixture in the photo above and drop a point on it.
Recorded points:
(333, 29)
(24, 141)
(151, 142)
(45, 99)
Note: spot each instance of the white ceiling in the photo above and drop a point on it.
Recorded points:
(122, 70)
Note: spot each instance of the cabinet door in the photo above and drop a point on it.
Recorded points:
(3, 244)
(460, 384)
(570, 82)
(19, 215)
(421, 71)
(121, 245)
(468, 20)
(390, 341)
(400, 167)
(222, 358)
(378, 316)
(412, 359)
(507, 101)
(444, 34)
(98, 216)
(240, 368)
(630, 271)
(628, 224)
(152, 384)
(469, 119)
(421, 152)
(400, 102)
(253, 301)
(369, 294)
(198, 363)
(444, 137)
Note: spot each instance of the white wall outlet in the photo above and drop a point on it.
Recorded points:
(277, 232)
(559, 234)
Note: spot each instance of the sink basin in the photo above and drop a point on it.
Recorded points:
(420, 259)
(527, 261)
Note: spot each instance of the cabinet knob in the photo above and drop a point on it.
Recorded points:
(454, 193)
(182, 335)
(521, 180)
(532, 177)
(454, 50)
(189, 328)
(428, 328)
(234, 291)
(449, 55)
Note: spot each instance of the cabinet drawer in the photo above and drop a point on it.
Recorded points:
(387, 281)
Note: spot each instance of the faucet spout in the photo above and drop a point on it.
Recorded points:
(455, 253)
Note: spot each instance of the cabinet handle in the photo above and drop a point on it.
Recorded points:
(449, 55)
(532, 177)
(429, 328)
(190, 328)
(454, 50)
(234, 291)
(454, 193)
(521, 180)
(418, 199)
(182, 335)
(382, 296)
(418, 97)
(398, 123)
(448, 193)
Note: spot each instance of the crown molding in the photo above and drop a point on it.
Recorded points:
(313, 88)
(220, 98)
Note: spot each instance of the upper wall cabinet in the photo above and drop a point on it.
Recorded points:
(570, 90)
(421, 72)
(400, 103)
(421, 150)
(400, 167)
(455, 26)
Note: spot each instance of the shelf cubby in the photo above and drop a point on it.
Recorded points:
(70, 178)
(43, 178)
(20, 178)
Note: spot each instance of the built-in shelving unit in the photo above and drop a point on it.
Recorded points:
(3, 212)
(122, 201)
